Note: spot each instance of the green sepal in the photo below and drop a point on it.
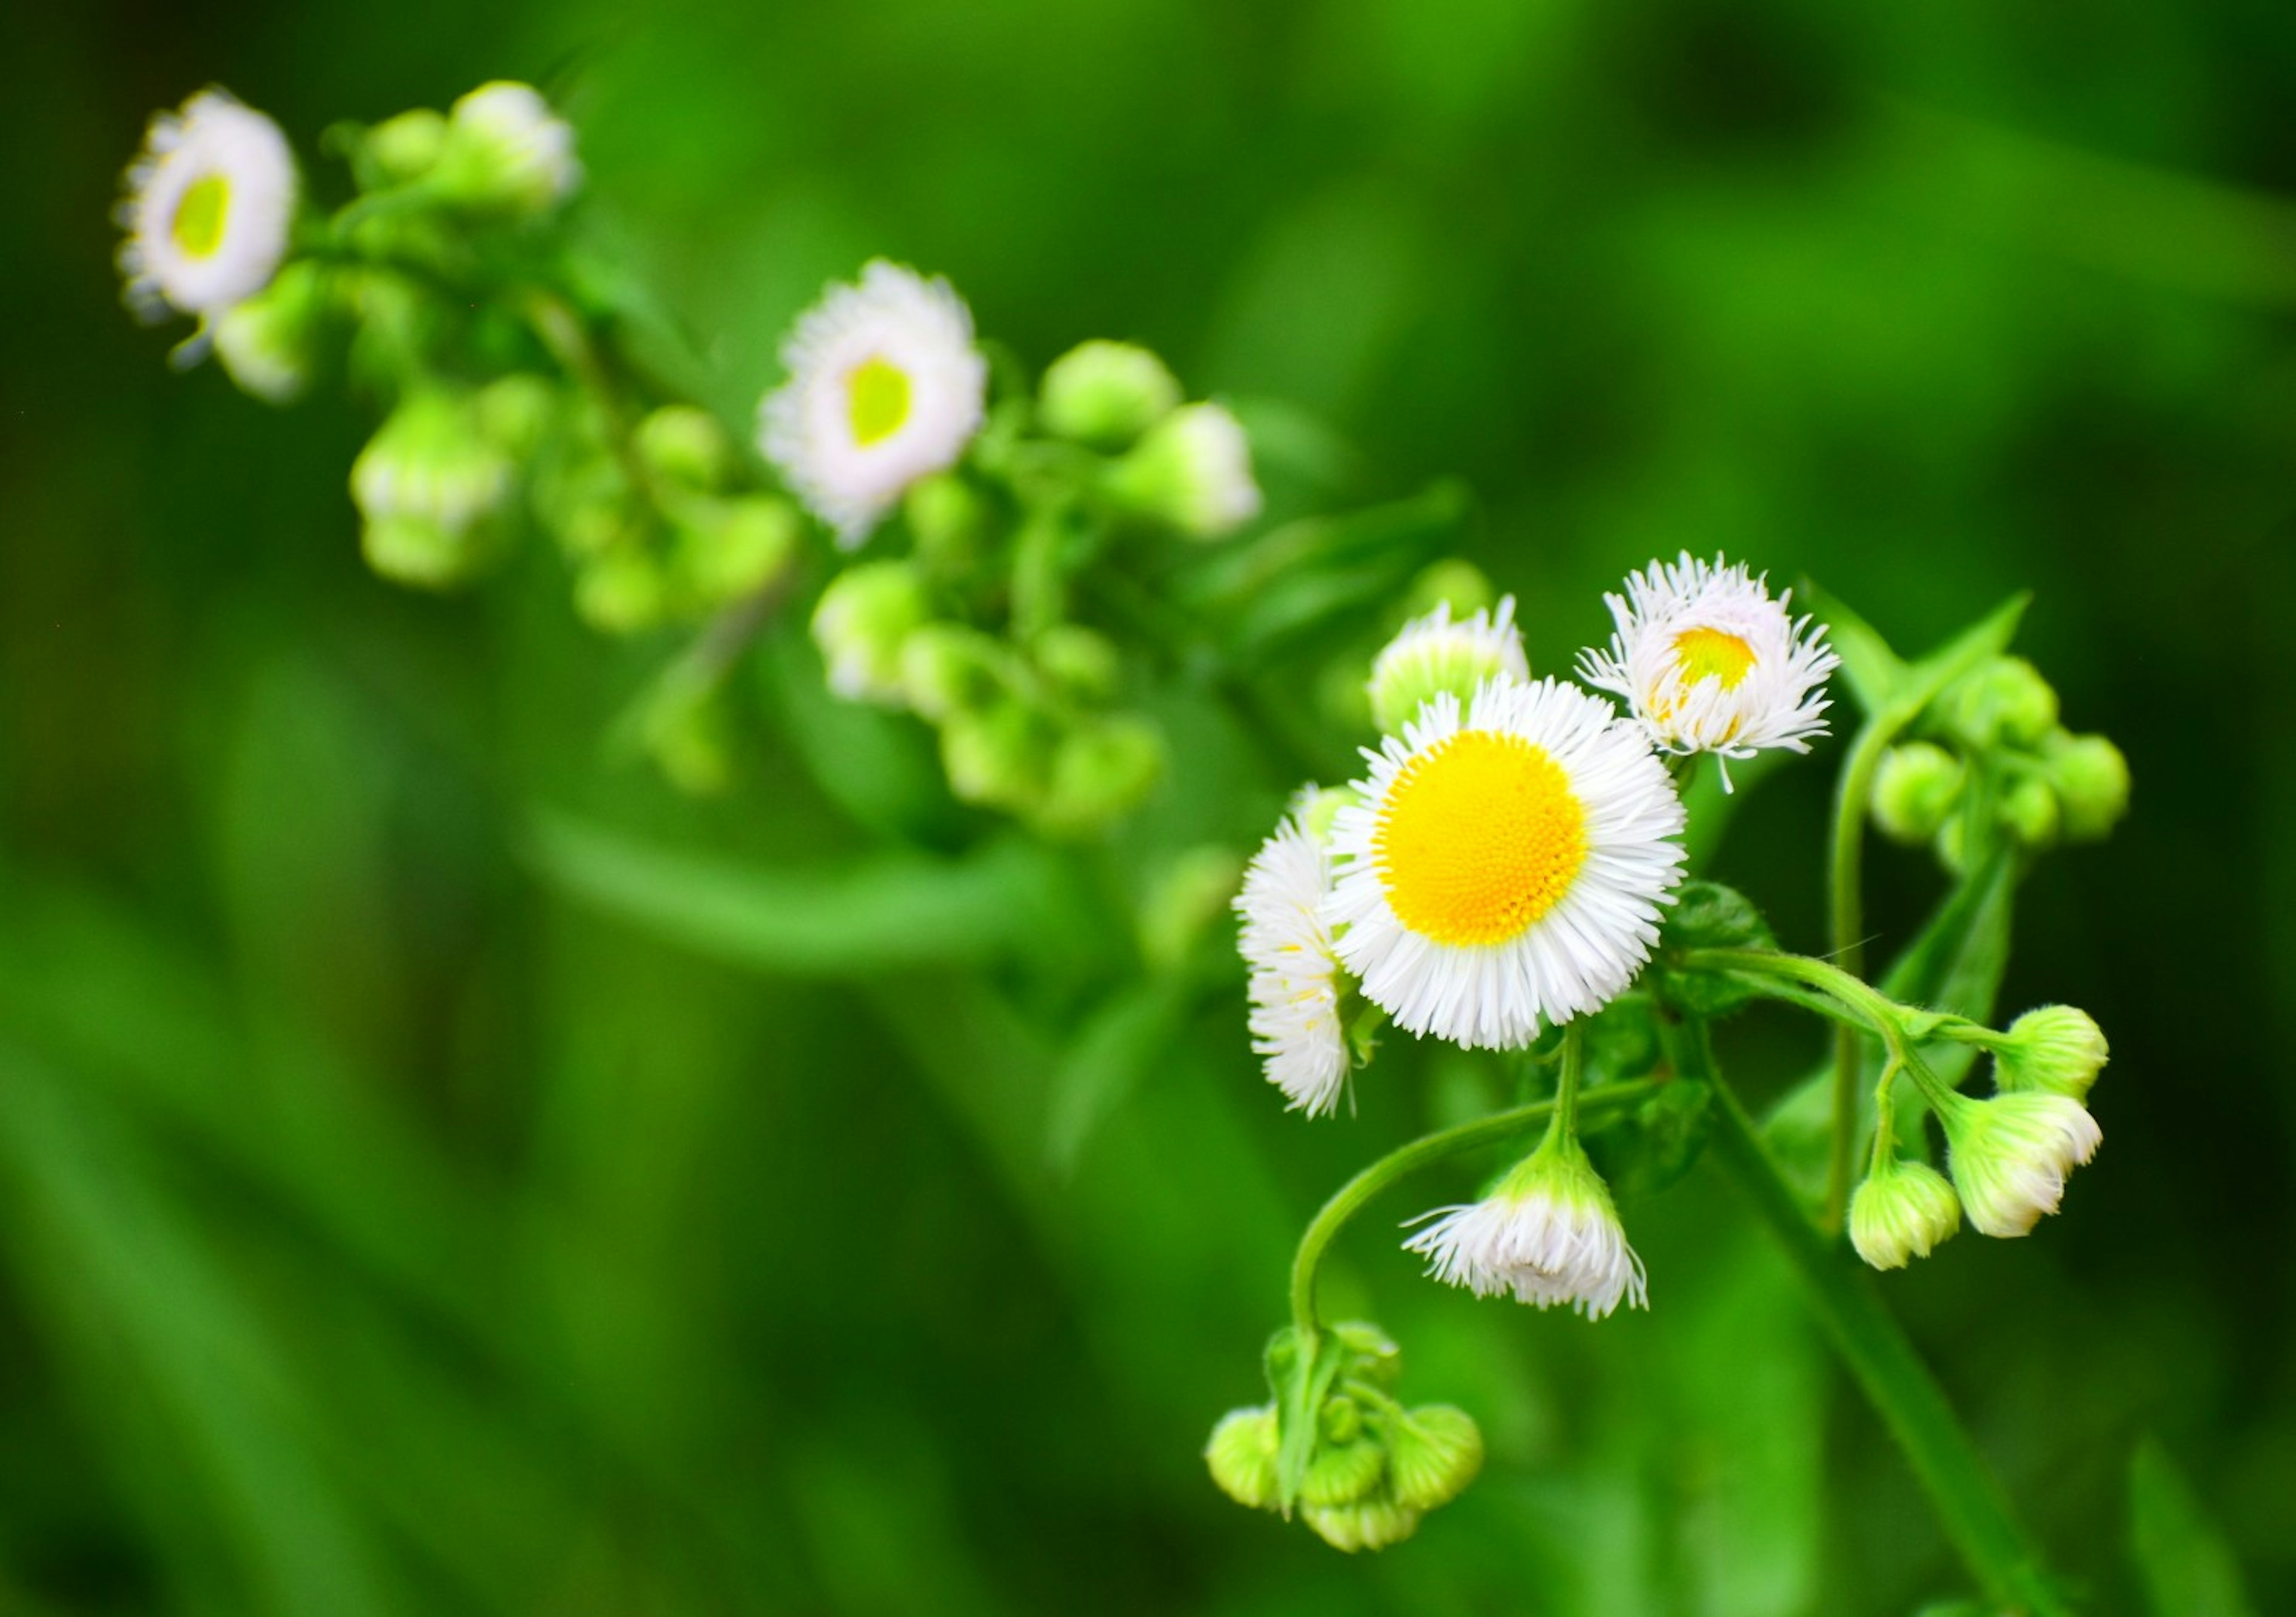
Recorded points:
(1301, 1380)
(1707, 915)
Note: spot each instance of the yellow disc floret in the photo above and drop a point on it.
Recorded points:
(1480, 835)
(1702, 653)
(877, 400)
(198, 224)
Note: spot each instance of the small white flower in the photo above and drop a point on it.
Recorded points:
(1194, 470)
(208, 208)
(1901, 1212)
(1548, 1235)
(504, 145)
(1295, 979)
(1711, 663)
(2012, 1153)
(1436, 653)
(1505, 869)
(885, 388)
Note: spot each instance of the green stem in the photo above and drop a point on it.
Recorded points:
(1849, 938)
(1970, 1505)
(1351, 1197)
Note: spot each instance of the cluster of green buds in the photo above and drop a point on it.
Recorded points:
(1991, 759)
(1337, 1448)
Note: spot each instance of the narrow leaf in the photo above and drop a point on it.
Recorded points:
(2187, 1565)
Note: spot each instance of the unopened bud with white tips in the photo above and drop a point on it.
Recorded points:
(2012, 1153)
(1193, 471)
(1433, 654)
(1901, 1212)
(1241, 1456)
(506, 152)
(865, 617)
(2057, 1049)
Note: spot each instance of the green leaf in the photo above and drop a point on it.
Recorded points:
(2188, 1568)
(1707, 915)
(1653, 1147)
(1989, 637)
(1874, 673)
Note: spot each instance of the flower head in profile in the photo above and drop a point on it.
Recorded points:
(1504, 863)
(885, 388)
(1295, 977)
(1192, 470)
(1901, 1212)
(505, 149)
(208, 208)
(2012, 1153)
(1710, 663)
(1435, 652)
(1547, 1234)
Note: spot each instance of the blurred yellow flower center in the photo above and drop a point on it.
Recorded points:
(876, 400)
(1480, 836)
(1701, 652)
(198, 224)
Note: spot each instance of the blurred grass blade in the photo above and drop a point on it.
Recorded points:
(2186, 1565)
(1106, 1062)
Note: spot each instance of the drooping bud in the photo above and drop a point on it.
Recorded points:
(1917, 785)
(1341, 1472)
(866, 616)
(1432, 1453)
(2028, 812)
(1901, 1212)
(402, 148)
(1241, 1456)
(1193, 471)
(1434, 654)
(2091, 781)
(684, 445)
(506, 151)
(1106, 394)
(1374, 1522)
(729, 549)
(1101, 770)
(1547, 1234)
(2012, 1153)
(948, 669)
(433, 488)
(2057, 1049)
(999, 756)
(271, 343)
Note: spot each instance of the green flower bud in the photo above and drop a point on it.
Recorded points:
(948, 520)
(2056, 1049)
(865, 617)
(1901, 1212)
(1917, 785)
(948, 669)
(271, 343)
(684, 445)
(402, 148)
(2012, 1153)
(433, 490)
(1080, 660)
(1372, 1353)
(1341, 1472)
(1317, 808)
(2003, 702)
(1372, 1522)
(1192, 471)
(517, 411)
(729, 549)
(1433, 654)
(1460, 585)
(2091, 781)
(1103, 769)
(999, 756)
(506, 152)
(2029, 810)
(1432, 1453)
(1106, 394)
(621, 591)
(1241, 1456)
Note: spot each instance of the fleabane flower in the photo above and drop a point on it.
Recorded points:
(1436, 653)
(1295, 977)
(1710, 663)
(2011, 1155)
(1547, 1234)
(1901, 1212)
(208, 208)
(885, 388)
(1505, 863)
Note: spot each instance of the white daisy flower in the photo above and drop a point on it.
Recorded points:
(1295, 981)
(1711, 663)
(2012, 1153)
(1435, 653)
(1548, 1235)
(209, 205)
(1505, 869)
(885, 388)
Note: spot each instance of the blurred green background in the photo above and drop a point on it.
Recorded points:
(442, 1171)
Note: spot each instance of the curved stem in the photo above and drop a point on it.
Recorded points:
(1971, 1507)
(1848, 914)
(1350, 1199)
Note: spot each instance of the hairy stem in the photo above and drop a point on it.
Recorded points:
(1970, 1505)
(1350, 1197)
(1848, 908)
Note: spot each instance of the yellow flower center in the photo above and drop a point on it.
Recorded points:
(1701, 652)
(876, 400)
(200, 213)
(1480, 835)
